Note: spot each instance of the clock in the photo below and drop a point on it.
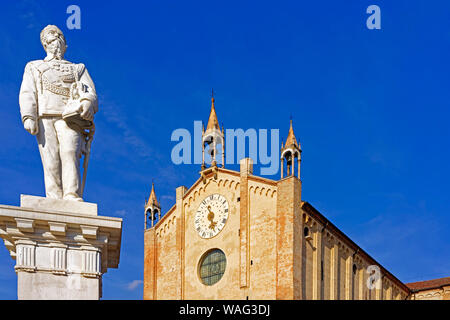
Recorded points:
(211, 216)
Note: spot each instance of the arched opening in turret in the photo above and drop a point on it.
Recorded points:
(290, 159)
(213, 150)
(148, 214)
(156, 216)
(152, 217)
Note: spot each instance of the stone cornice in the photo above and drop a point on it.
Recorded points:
(48, 228)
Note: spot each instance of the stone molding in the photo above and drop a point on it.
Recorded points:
(49, 243)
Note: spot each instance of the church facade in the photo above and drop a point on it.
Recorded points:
(235, 235)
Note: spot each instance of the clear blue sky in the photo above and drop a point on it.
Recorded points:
(370, 107)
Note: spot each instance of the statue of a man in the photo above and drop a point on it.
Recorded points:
(52, 91)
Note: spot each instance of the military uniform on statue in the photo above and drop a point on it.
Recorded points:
(50, 112)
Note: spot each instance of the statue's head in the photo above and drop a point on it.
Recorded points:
(53, 41)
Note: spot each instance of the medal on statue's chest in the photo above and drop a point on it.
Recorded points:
(211, 216)
(58, 78)
(61, 72)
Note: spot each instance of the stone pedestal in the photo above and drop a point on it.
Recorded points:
(62, 248)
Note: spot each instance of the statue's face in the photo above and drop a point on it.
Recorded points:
(55, 44)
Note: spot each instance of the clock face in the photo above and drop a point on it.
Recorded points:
(211, 216)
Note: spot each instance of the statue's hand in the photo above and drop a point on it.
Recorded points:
(31, 126)
(87, 111)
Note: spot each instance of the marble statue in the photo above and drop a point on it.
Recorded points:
(60, 244)
(57, 104)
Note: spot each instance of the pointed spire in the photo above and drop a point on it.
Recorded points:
(213, 123)
(152, 199)
(291, 140)
(213, 137)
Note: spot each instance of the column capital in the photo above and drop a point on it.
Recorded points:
(54, 249)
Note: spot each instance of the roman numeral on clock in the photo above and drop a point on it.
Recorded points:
(211, 215)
